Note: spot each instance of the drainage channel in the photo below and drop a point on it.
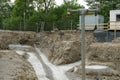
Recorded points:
(43, 68)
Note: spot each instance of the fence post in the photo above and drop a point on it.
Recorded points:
(37, 27)
(53, 25)
(42, 26)
(20, 26)
(24, 19)
(71, 24)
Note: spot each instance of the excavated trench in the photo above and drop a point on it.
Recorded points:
(44, 70)
(55, 57)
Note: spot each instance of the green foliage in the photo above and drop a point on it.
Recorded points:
(13, 23)
(63, 18)
(105, 6)
(23, 8)
(5, 11)
(21, 13)
(33, 14)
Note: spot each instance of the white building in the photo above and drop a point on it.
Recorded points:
(115, 19)
(92, 20)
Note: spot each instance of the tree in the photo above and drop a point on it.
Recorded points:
(43, 12)
(44, 5)
(5, 11)
(105, 6)
(44, 8)
(62, 18)
(30, 13)
(21, 13)
(23, 8)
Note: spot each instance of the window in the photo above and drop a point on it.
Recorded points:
(118, 17)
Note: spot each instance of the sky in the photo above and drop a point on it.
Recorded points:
(82, 2)
(59, 2)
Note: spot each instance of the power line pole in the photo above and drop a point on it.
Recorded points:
(82, 25)
(82, 28)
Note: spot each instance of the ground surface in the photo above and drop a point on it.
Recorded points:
(15, 67)
(60, 49)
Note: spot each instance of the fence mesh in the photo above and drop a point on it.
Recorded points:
(39, 26)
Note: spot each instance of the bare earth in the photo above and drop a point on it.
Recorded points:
(15, 67)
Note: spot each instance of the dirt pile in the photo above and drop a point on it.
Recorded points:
(15, 67)
(65, 52)
(16, 37)
(52, 43)
(62, 49)
(108, 53)
(105, 54)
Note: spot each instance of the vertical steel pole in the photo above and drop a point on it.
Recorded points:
(82, 24)
(24, 20)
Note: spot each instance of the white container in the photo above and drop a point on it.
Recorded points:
(92, 20)
(115, 19)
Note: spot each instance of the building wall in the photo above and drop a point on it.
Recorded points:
(114, 24)
(92, 20)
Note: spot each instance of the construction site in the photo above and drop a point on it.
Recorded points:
(56, 55)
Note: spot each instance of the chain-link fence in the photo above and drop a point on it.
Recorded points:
(39, 26)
